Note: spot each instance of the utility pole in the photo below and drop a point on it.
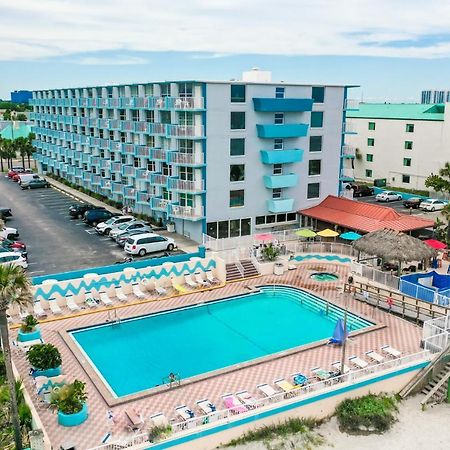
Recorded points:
(345, 334)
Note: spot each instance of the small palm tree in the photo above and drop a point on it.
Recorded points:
(15, 289)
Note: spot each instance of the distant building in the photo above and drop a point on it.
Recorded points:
(435, 96)
(21, 96)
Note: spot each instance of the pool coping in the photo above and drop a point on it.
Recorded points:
(106, 392)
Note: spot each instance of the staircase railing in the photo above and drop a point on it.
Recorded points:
(435, 389)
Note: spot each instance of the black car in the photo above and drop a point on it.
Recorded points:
(412, 202)
(5, 213)
(361, 190)
(95, 216)
(78, 210)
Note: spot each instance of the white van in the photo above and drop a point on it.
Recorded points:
(141, 244)
(23, 177)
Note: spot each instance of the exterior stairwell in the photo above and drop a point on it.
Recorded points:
(436, 390)
(240, 270)
(249, 269)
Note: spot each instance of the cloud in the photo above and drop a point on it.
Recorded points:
(392, 28)
(110, 61)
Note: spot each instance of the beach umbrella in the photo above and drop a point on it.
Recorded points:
(339, 333)
(327, 233)
(350, 236)
(264, 237)
(306, 233)
(434, 243)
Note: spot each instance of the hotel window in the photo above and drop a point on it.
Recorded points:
(167, 170)
(237, 120)
(370, 142)
(314, 167)
(410, 128)
(279, 118)
(271, 219)
(238, 93)
(317, 119)
(231, 228)
(371, 126)
(277, 169)
(279, 92)
(166, 195)
(185, 89)
(165, 90)
(315, 143)
(276, 193)
(186, 173)
(186, 199)
(186, 146)
(408, 145)
(136, 162)
(369, 157)
(313, 190)
(151, 166)
(165, 117)
(406, 178)
(237, 147)
(318, 94)
(368, 173)
(278, 144)
(237, 172)
(407, 162)
(237, 198)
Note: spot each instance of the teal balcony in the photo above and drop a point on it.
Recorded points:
(159, 204)
(281, 156)
(280, 205)
(282, 104)
(288, 130)
(143, 198)
(280, 181)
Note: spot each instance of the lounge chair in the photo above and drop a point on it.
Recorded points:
(104, 298)
(71, 303)
(320, 373)
(135, 419)
(375, 357)
(391, 351)
(38, 310)
(338, 366)
(285, 385)
(120, 294)
(25, 345)
(206, 406)
(233, 404)
(137, 290)
(299, 379)
(358, 362)
(211, 278)
(200, 280)
(90, 300)
(179, 288)
(54, 307)
(266, 389)
(184, 412)
(160, 290)
(159, 420)
(23, 313)
(247, 398)
(189, 281)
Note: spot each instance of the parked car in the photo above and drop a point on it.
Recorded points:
(413, 202)
(387, 196)
(78, 210)
(122, 239)
(22, 177)
(13, 258)
(128, 226)
(35, 183)
(361, 190)
(142, 244)
(106, 227)
(432, 204)
(16, 177)
(9, 243)
(94, 216)
(24, 253)
(15, 170)
(5, 213)
(9, 233)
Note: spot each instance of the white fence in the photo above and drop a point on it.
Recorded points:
(233, 414)
(375, 275)
(436, 334)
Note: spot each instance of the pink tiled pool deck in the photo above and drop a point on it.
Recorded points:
(397, 332)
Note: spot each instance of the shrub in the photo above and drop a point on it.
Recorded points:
(369, 412)
(44, 356)
(28, 325)
(269, 252)
(158, 433)
(70, 398)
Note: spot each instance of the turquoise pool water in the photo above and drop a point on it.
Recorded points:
(324, 276)
(138, 353)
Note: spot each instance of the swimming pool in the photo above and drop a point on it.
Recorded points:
(324, 276)
(138, 353)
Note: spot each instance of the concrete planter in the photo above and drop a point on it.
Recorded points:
(170, 227)
(73, 420)
(31, 336)
(48, 373)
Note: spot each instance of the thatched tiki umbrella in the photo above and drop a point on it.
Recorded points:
(392, 245)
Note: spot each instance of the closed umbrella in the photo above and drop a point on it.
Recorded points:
(327, 233)
(350, 236)
(264, 237)
(306, 233)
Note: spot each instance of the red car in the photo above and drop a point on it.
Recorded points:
(15, 170)
(13, 244)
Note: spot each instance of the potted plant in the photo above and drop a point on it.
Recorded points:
(269, 252)
(170, 226)
(29, 331)
(45, 360)
(70, 401)
(159, 433)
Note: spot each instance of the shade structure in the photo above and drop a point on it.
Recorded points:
(339, 333)
(306, 233)
(264, 237)
(434, 243)
(350, 236)
(328, 233)
(393, 246)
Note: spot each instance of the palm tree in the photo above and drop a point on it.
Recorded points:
(29, 148)
(2, 153)
(15, 289)
(20, 145)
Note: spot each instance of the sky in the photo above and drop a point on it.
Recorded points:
(391, 48)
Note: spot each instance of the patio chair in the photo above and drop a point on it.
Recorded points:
(391, 351)
(136, 420)
(247, 398)
(189, 281)
(159, 289)
(338, 366)
(71, 303)
(159, 420)
(285, 385)
(206, 406)
(299, 379)
(375, 357)
(320, 373)
(38, 310)
(104, 298)
(137, 291)
(184, 412)
(211, 278)
(266, 389)
(90, 300)
(179, 288)
(358, 362)
(54, 307)
(232, 403)
(23, 313)
(120, 294)
(200, 280)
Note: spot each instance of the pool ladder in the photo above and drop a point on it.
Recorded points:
(114, 319)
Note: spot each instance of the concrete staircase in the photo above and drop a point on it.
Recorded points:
(240, 270)
(249, 269)
(436, 390)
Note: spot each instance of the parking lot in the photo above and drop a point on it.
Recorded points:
(55, 242)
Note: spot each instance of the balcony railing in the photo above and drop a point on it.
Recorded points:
(159, 204)
(194, 187)
(156, 128)
(116, 167)
(96, 180)
(128, 149)
(129, 171)
(348, 151)
(141, 127)
(185, 159)
(142, 151)
(347, 174)
(184, 103)
(351, 104)
(159, 154)
(186, 212)
(158, 179)
(143, 198)
(348, 128)
(185, 131)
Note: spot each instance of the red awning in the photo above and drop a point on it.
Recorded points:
(434, 243)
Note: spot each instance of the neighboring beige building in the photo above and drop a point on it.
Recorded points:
(403, 143)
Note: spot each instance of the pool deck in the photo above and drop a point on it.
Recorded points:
(397, 332)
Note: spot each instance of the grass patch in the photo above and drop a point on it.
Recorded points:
(368, 413)
(290, 428)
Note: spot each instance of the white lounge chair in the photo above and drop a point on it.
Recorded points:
(200, 280)
(189, 281)
(184, 412)
(246, 398)
(358, 362)
(391, 351)
(54, 307)
(159, 420)
(104, 298)
(375, 357)
(70, 303)
(211, 278)
(232, 403)
(120, 294)
(38, 310)
(337, 365)
(137, 291)
(206, 406)
(266, 389)
(90, 300)
(159, 289)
